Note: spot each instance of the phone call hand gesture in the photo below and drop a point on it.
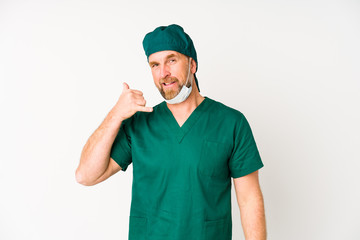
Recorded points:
(130, 102)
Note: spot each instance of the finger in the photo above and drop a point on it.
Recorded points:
(137, 92)
(144, 109)
(125, 86)
(140, 102)
(137, 97)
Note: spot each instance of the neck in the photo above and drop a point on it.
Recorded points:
(188, 106)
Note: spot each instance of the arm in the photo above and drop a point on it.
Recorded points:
(95, 163)
(251, 205)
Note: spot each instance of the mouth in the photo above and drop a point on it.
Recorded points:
(170, 84)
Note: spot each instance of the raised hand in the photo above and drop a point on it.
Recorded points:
(130, 102)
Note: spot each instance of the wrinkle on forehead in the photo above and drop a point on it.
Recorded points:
(164, 55)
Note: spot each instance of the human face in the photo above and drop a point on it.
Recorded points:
(170, 71)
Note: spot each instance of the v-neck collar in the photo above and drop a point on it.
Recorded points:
(190, 121)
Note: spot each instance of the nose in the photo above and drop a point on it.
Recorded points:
(164, 71)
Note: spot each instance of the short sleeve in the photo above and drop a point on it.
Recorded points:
(245, 157)
(121, 148)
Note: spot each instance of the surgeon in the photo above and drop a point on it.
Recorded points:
(184, 152)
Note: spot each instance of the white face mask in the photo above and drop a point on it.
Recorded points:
(184, 92)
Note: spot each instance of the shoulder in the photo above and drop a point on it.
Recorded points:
(225, 122)
(229, 113)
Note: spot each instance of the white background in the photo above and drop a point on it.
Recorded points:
(292, 68)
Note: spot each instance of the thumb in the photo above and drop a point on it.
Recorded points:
(125, 86)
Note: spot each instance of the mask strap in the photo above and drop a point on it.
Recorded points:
(188, 76)
(184, 92)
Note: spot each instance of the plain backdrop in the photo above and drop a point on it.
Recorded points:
(291, 67)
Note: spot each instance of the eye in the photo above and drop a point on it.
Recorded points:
(172, 60)
(154, 65)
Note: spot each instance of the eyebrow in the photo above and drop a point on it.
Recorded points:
(167, 57)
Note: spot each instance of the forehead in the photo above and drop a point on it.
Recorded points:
(163, 55)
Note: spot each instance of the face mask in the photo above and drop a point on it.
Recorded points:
(184, 92)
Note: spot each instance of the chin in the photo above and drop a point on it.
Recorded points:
(169, 95)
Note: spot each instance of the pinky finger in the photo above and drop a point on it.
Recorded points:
(144, 109)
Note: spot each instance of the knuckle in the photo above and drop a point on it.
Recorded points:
(133, 104)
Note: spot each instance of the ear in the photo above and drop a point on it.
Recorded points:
(193, 66)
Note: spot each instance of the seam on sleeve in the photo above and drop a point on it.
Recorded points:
(243, 172)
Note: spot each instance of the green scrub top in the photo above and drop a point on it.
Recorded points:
(182, 175)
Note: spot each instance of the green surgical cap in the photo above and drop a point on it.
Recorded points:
(170, 37)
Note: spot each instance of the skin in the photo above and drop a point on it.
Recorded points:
(96, 165)
(167, 66)
(167, 72)
(251, 205)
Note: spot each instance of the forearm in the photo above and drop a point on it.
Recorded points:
(253, 217)
(95, 155)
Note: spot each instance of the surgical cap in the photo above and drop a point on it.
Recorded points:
(173, 38)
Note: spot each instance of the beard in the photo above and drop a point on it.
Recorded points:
(171, 92)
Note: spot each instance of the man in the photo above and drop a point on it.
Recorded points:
(184, 152)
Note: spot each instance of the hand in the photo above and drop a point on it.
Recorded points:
(130, 102)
